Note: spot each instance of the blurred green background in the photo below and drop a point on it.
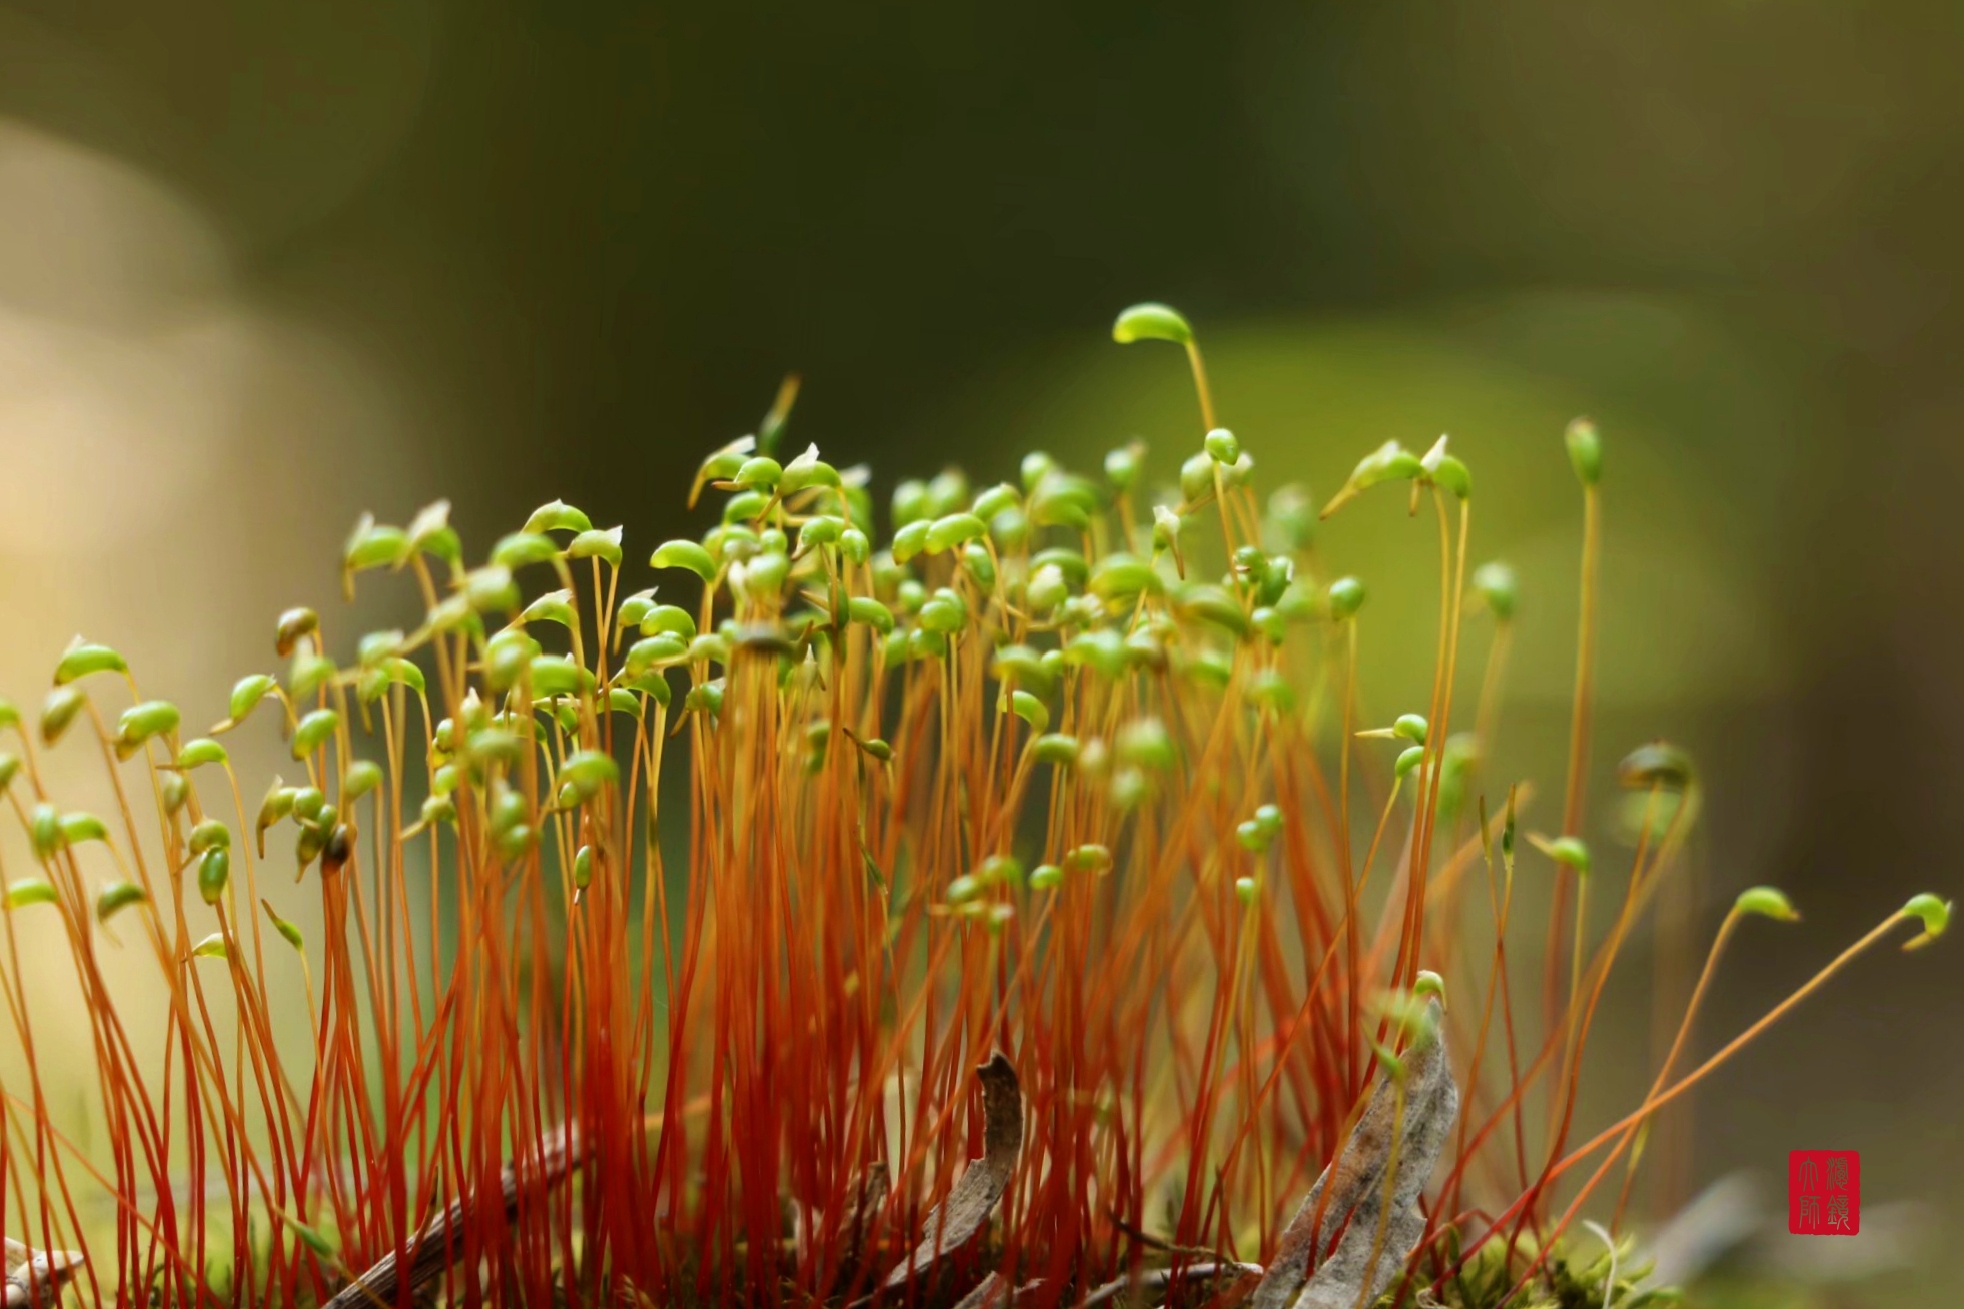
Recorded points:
(266, 265)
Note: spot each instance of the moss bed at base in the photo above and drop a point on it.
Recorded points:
(1043, 924)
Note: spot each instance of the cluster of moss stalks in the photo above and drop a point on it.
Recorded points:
(1072, 778)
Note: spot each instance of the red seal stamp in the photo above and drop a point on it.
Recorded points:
(1824, 1192)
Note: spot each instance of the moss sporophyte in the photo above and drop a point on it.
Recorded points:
(1035, 917)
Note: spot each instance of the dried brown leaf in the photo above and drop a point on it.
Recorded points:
(1356, 1190)
(1153, 1280)
(35, 1278)
(872, 1194)
(980, 1189)
(994, 1292)
(556, 1154)
(865, 1196)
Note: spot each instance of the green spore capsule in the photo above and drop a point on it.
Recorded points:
(605, 546)
(58, 711)
(313, 732)
(1130, 788)
(1030, 709)
(705, 698)
(807, 471)
(1023, 666)
(1766, 902)
(1498, 588)
(1446, 471)
(1197, 478)
(307, 847)
(946, 493)
(1345, 597)
(980, 565)
(1167, 523)
(25, 891)
(116, 897)
(1270, 690)
(438, 809)
(1145, 743)
(1290, 524)
(963, 889)
(1151, 321)
(1933, 913)
(635, 608)
(1568, 851)
(910, 540)
(376, 647)
(865, 609)
(1089, 858)
(557, 516)
(941, 616)
(506, 657)
(198, 753)
(490, 589)
(684, 554)
(514, 842)
(656, 652)
(1047, 589)
(759, 473)
(1120, 576)
(310, 672)
(909, 502)
(1057, 749)
(83, 659)
(823, 530)
(1035, 466)
(359, 778)
(214, 873)
(558, 675)
(552, 607)
(277, 805)
(79, 827)
(430, 533)
(522, 549)
(995, 500)
(1122, 466)
(1585, 451)
(371, 545)
(288, 932)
